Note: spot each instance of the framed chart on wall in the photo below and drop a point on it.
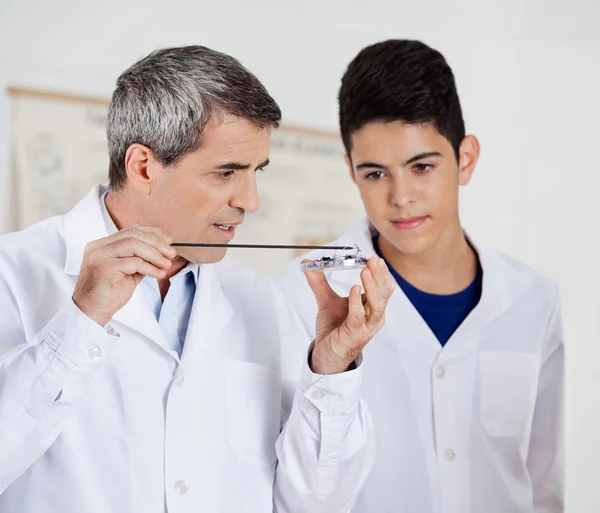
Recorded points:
(60, 153)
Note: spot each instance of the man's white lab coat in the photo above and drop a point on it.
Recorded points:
(96, 420)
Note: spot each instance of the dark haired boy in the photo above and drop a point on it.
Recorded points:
(465, 381)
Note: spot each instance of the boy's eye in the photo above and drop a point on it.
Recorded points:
(374, 175)
(422, 168)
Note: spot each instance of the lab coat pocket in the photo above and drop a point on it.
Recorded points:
(253, 401)
(508, 391)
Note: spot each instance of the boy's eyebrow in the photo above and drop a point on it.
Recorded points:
(423, 155)
(420, 156)
(369, 165)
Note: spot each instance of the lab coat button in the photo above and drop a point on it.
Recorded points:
(440, 372)
(449, 455)
(179, 381)
(181, 487)
(318, 394)
(94, 353)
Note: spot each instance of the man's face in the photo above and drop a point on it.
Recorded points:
(202, 198)
(408, 179)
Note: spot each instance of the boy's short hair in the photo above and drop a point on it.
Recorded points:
(400, 80)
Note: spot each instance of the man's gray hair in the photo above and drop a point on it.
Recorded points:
(165, 100)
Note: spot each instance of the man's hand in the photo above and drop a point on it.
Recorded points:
(346, 324)
(112, 267)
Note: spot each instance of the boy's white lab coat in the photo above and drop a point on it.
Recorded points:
(109, 421)
(475, 426)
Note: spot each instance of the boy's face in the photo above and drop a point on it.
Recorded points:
(408, 179)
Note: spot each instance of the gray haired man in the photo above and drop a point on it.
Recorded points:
(138, 378)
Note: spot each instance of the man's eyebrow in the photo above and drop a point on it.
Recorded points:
(234, 166)
(238, 166)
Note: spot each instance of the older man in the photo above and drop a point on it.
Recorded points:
(137, 378)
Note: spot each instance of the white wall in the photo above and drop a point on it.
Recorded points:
(528, 74)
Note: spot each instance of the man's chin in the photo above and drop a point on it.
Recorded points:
(202, 255)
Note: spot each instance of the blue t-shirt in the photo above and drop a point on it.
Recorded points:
(442, 313)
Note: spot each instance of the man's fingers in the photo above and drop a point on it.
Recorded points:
(376, 297)
(381, 275)
(356, 309)
(138, 268)
(319, 285)
(134, 247)
(148, 234)
(158, 232)
(151, 230)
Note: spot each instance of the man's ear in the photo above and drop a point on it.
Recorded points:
(140, 172)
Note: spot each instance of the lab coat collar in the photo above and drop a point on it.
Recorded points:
(499, 288)
(211, 310)
(83, 224)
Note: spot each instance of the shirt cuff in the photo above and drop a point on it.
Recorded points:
(333, 393)
(76, 337)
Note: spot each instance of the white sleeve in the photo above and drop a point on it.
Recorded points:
(545, 460)
(326, 449)
(42, 378)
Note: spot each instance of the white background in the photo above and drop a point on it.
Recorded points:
(528, 74)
